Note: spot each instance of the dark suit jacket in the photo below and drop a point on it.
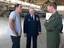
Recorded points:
(31, 26)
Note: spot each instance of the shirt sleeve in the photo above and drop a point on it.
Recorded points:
(12, 16)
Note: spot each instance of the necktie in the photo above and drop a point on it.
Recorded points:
(32, 17)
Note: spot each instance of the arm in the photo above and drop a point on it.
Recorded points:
(39, 25)
(25, 25)
(60, 25)
(12, 24)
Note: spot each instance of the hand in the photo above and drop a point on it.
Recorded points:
(19, 33)
(40, 33)
(15, 34)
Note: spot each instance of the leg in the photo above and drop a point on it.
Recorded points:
(18, 42)
(34, 41)
(28, 44)
(13, 41)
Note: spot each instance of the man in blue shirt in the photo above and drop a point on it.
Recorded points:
(15, 25)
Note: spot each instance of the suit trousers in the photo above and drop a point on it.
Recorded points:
(34, 40)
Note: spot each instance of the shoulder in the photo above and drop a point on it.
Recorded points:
(37, 16)
(13, 12)
(59, 15)
(26, 16)
(12, 15)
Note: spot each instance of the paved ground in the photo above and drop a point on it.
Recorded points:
(5, 41)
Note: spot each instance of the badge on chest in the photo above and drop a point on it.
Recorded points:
(29, 19)
(37, 18)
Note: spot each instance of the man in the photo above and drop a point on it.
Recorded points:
(53, 26)
(32, 28)
(15, 25)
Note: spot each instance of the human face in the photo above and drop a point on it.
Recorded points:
(50, 9)
(19, 8)
(31, 11)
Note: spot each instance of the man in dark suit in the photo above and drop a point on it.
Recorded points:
(32, 28)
